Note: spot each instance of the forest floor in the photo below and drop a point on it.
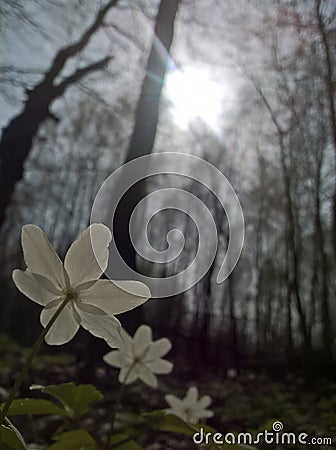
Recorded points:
(248, 402)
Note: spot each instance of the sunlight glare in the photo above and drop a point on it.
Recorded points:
(193, 94)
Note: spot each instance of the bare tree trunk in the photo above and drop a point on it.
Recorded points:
(18, 136)
(257, 299)
(144, 131)
(292, 244)
(146, 119)
(295, 278)
(329, 84)
(234, 344)
(322, 258)
(204, 300)
(288, 301)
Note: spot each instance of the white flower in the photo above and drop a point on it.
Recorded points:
(231, 373)
(140, 357)
(92, 303)
(190, 408)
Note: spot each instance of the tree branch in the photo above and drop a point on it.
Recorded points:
(80, 73)
(67, 52)
(266, 103)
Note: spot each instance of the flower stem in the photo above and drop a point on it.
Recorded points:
(117, 404)
(29, 361)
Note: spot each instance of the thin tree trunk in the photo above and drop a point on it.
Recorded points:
(329, 84)
(294, 257)
(322, 258)
(203, 332)
(234, 344)
(257, 298)
(295, 278)
(288, 301)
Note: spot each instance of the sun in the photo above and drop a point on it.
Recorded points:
(193, 94)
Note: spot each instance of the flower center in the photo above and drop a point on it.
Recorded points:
(142, 355)
(187, 412)
(71, 295)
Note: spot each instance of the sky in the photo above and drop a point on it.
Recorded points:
(193, 87)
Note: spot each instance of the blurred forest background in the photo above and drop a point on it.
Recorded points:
(250, 87)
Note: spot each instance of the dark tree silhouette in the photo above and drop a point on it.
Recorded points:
(146, 119)
(144, 131)
(18, 136)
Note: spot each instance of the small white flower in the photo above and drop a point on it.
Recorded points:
(140, 357)
(190, 408)
(231, 373)
(92, 303)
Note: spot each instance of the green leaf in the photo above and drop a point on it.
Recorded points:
(268, 426)
(169, 422)
(75, 439)
(126, 443)
(23, 406)
(10, 438)
(160, 420)
(76, 399)
(176, 425)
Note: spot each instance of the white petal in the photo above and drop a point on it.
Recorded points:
(65, 326)
(196, 415)
(191, 396)
(127, 344)
(87, 257)
(147, 376)
(142, 339)
(204, 414)
(192, 417)
(118, 359)
(160, 366)
(100, 324)
(173, 401)
(134, 287)
(91, 309)
(128, 375)
(48, 285)
(27, 283)
(158, 348)
(110, 298)
(40, 256)
(204, 402)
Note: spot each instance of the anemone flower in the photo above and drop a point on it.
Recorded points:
(90, 302)
(140, 357)
(191, 408)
